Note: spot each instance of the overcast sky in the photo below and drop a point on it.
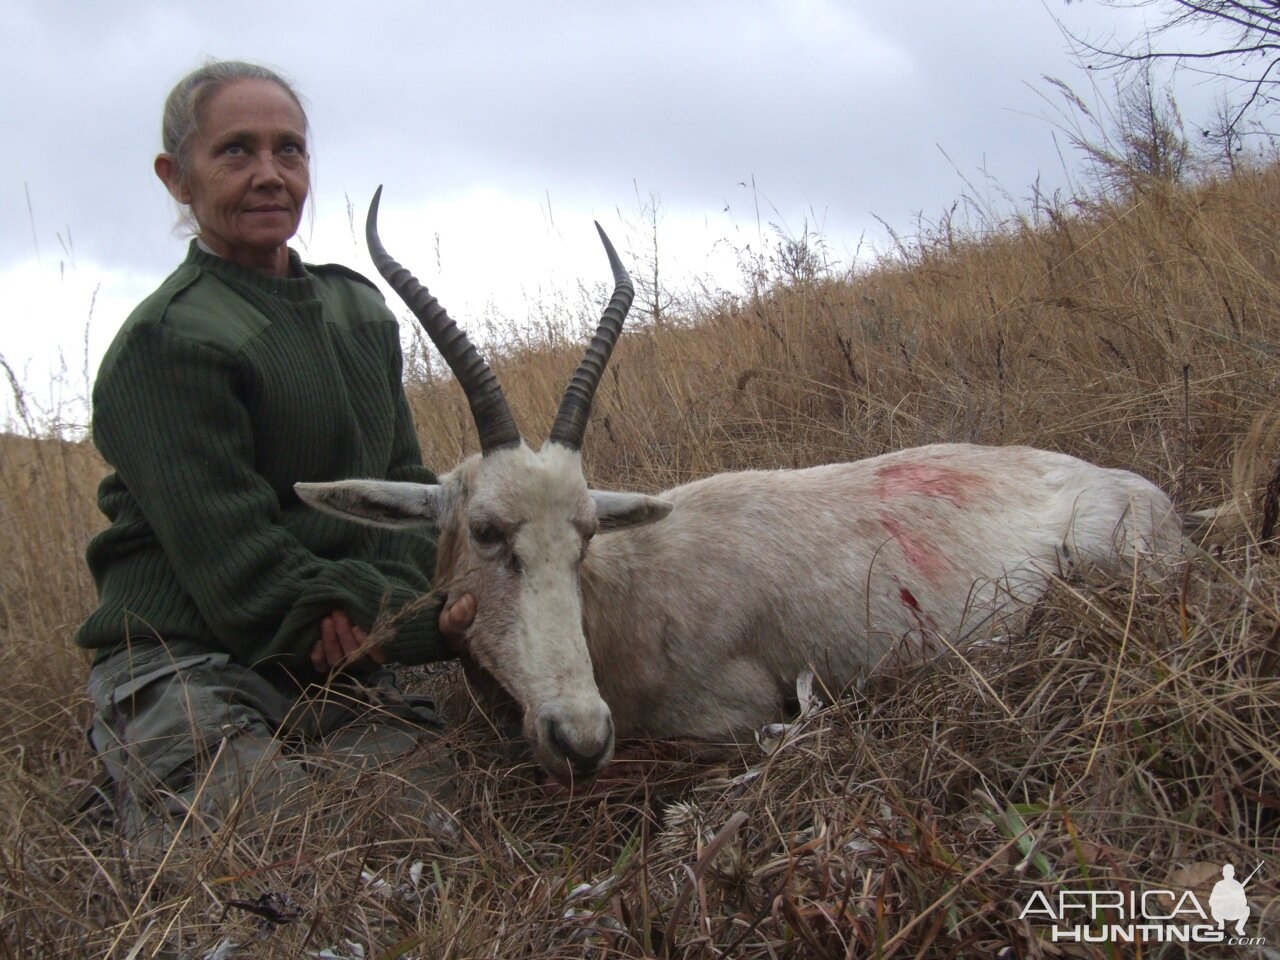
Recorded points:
(502, 129)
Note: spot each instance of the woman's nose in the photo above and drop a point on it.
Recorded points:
(267, 171)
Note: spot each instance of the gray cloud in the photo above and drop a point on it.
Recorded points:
(837, 111)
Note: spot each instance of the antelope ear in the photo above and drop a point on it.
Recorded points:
(616, 511)
(379, 503)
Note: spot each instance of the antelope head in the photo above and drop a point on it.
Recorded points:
(515, 527)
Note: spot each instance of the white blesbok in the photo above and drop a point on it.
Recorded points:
(691, 614)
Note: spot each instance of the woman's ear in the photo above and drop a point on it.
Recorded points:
(167, 170)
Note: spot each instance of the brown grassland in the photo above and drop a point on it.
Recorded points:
(1126, 741)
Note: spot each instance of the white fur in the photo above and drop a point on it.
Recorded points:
(698, 625)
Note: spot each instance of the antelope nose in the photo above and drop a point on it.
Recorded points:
(586, 756)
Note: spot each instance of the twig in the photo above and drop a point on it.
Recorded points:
(694, 879)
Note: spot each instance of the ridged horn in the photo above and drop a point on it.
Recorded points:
(571, 419)
(494, 422)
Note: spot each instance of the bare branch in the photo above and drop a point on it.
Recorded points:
(1255, 45)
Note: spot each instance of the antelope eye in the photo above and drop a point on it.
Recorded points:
(488, 534)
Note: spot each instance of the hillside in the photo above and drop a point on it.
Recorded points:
(1125, 742)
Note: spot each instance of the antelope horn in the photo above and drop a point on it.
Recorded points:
(494, 423)
(571, 419)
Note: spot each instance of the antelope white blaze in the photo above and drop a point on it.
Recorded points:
(540, 653)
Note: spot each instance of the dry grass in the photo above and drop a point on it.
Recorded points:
(1125, 740)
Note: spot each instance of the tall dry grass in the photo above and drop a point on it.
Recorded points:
(1125, 741)
(1138, 332)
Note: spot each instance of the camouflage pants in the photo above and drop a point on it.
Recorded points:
(193, 741)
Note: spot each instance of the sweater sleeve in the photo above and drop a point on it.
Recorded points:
(169, 419)
(408, 556)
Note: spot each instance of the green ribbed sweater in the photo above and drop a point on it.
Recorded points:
(222, 389)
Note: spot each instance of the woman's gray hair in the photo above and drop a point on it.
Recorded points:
(184, 108)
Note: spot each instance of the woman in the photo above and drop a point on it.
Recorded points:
(222, 598)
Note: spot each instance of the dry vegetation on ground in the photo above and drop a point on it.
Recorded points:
(1125, 741)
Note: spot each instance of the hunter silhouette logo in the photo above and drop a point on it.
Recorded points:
(1160, 915)
(1228, 902)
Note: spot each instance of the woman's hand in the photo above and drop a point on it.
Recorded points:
(454, 620)
(343, 644)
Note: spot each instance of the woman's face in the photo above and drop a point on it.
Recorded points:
(248, 174)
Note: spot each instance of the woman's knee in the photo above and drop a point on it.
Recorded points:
(167, 720)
